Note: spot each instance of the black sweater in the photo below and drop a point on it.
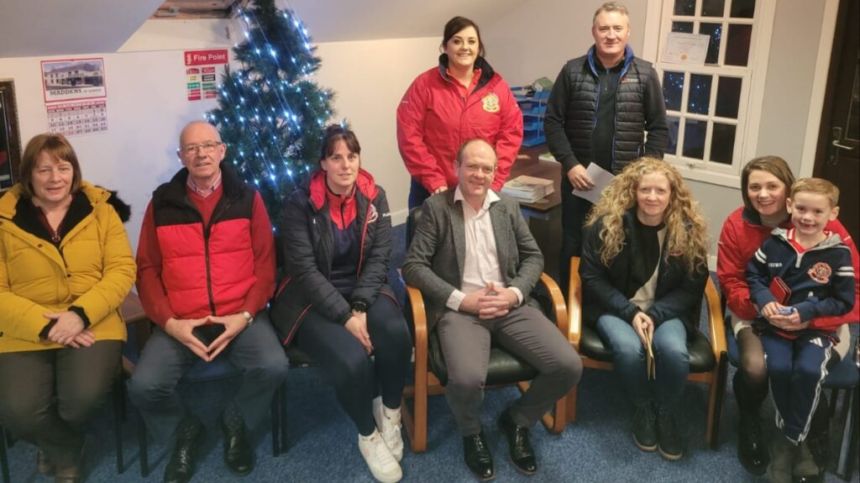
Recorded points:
(608, 289)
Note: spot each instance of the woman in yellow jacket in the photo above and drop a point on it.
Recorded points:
(65, 268)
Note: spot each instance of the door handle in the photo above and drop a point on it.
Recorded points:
(835, 143)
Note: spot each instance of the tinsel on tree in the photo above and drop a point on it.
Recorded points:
(271, 113)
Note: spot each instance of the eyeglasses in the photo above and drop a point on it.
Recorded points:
(205, 147)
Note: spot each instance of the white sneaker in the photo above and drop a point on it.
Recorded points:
(379, 460)
(388, 424)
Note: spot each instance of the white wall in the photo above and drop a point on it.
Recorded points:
(369, 78)
(146, 108)
(537, 38)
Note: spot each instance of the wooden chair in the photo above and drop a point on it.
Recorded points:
(708, 360)
(431, 374)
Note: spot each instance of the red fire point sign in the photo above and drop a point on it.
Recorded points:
(206, 57)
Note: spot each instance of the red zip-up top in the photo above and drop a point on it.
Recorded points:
(435, 118)
(741, 236)
(309, 245)
(188, 268)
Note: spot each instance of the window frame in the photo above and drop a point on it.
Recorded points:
(658, 24)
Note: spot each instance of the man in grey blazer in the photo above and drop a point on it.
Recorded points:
(475, 262)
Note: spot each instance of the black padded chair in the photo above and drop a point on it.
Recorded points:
(504, 368)
(708, 360)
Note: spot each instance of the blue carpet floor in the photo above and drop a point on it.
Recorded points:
(322, 442)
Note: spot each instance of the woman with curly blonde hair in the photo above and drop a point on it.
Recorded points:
(643, 270)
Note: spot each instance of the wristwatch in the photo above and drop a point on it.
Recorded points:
(248, 317)
(359, 306)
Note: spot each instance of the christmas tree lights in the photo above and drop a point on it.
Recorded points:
(270, 112)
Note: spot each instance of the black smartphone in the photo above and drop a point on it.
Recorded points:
(208, 333)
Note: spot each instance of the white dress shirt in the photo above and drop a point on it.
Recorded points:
(481, 262)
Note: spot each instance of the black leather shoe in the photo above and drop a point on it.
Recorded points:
(752, 450)
(669, 442)
(181, 465)
(644, 427)
(238, 454)
(477, 455)
(522, 455)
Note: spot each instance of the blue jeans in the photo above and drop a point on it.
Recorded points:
(628, 356)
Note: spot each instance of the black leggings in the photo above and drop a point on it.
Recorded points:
(356, 377)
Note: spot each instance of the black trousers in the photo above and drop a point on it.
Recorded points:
(356, 377)
(574, 210)
(48, 395)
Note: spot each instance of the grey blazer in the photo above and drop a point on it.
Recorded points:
(434, 263)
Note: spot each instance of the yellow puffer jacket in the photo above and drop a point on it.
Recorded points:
(93, 269)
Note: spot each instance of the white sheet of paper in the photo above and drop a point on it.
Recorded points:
(601, 179)
(684, 48)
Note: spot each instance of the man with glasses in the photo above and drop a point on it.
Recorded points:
(206, 269)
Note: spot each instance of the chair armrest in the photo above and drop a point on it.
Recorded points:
(716, 323)
(574, 304)
(138, 326)
(419, 322)
(559, 310)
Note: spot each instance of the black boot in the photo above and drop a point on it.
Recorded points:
(181, 465)
(238, 454)
(477, 455)
(669, 441)
(752, 450)
(644, 426)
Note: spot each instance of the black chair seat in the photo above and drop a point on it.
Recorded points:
(504, 367)
(298, 357)
(701, 353)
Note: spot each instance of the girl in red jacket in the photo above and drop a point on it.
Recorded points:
(460, 99)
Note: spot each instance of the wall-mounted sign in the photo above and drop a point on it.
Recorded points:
(201, 78)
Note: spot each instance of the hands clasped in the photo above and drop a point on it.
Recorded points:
(182, 330)
(69, 330)
(490, 302)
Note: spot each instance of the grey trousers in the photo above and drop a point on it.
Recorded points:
(256, 352)
(46, 396)
(526, 333)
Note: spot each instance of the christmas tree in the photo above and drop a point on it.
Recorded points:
(271, 114)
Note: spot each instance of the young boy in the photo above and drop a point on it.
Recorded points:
(797, 276)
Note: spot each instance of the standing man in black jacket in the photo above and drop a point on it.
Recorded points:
(600, 108)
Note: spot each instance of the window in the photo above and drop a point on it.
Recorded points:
(712, 109)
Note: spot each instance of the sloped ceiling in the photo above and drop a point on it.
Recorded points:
(67, 27)
(60, 27)
(349, 20)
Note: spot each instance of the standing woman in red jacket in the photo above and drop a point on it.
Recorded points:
(765, 182)
(462, 98)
